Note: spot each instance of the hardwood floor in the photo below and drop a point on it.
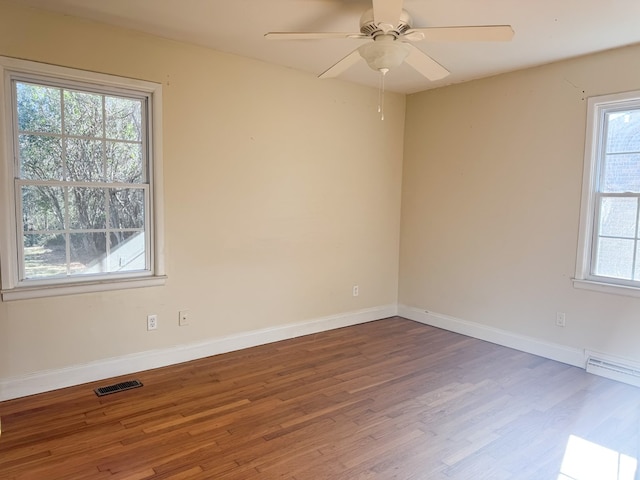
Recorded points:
(390, 399)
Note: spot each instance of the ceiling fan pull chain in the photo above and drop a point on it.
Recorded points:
(380, 93)
(383, 73)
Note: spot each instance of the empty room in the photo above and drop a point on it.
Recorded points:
(422, 265)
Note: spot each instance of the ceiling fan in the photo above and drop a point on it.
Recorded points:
(389, 26)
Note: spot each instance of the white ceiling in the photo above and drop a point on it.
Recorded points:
(545, 31)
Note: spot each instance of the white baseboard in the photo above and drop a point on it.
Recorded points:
(45, 381)
(553, 351)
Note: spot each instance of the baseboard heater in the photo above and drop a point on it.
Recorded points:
(614, 369)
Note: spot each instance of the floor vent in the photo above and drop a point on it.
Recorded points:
(614, 370)
(118, 387)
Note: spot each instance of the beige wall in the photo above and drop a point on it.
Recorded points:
(491, 201)
(281, 192)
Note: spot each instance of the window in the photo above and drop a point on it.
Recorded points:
(81, 210)
(609, 248)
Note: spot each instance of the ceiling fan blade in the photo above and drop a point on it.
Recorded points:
(426, 65)
(312, 35)
(386, 13)
(480, 33)
(342, 65)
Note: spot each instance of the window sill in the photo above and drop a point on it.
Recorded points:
(606, 287)
(23, 293)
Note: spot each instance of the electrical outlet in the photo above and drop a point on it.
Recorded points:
(183, 318)
(152, 322)
(356, 290)
(560, 319)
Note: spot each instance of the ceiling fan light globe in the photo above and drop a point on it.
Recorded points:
(384, 55)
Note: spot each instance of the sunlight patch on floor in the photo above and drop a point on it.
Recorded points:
(584, 460)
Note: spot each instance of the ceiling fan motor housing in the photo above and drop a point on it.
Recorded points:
(369, 27)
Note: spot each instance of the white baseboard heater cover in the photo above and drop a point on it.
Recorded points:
(614, 369)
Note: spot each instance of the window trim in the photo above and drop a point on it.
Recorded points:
(596, 109)
(9, 274)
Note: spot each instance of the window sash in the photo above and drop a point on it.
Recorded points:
(67, 231)
(598, 235)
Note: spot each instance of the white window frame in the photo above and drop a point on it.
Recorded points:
(597, 108)
(12, 288)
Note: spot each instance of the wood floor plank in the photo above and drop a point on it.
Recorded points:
(391, 399)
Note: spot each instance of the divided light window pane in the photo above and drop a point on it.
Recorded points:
(81, 183)
(615, 248)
